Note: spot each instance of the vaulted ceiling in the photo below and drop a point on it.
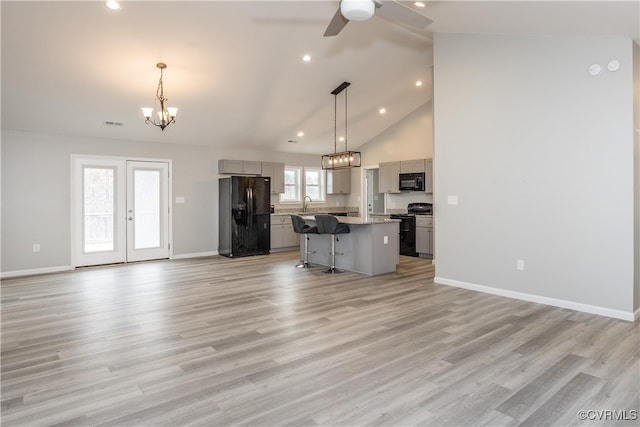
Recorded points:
(235, 69)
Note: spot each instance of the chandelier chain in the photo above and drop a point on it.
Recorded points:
(335, 123)
(345, 118)
(160, 90)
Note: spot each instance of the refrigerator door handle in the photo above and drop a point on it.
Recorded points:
(250, 206)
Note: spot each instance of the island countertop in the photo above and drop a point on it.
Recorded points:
(356, 220)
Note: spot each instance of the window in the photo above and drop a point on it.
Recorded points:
(295, 189)
(291, 185)
(314, 184)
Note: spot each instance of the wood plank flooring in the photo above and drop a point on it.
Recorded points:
(255, 341)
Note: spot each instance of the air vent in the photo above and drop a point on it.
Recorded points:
(108, 123)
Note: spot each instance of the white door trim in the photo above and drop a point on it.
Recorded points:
(96, 158)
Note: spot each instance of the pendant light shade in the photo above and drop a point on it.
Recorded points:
(357, 10)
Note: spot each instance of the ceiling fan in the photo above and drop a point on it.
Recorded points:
(362, 10)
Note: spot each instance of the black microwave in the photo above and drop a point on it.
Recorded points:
(412, 181)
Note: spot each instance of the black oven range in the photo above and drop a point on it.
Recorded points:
(408, 226)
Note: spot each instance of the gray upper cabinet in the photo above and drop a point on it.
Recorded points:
(388, 177)
(388, 174)
(239, 167)
(276, 172)
(428, 176)
(339, 181)
(412, 166)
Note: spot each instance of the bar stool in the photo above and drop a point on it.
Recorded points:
(329, 224)
(301, 227)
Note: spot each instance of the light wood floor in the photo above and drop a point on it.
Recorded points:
(254, 341)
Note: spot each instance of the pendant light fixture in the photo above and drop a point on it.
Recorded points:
(166, 115)
(345, 159)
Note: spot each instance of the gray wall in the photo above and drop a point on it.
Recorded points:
(540, 156)
(36, 193)
(410, 138)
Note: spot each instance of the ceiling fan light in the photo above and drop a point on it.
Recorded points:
(357, 10)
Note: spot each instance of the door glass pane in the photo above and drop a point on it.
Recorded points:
(147, 209)
(99, 207)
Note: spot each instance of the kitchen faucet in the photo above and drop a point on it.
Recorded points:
(305, 205)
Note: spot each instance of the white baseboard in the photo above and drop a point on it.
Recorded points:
(195, 255)
(33, 272)
(586, 308)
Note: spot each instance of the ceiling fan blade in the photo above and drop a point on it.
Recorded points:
(336, 25)
(402, 14)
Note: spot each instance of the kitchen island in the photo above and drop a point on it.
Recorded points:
(371, 247)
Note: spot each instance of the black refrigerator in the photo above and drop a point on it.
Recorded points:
(245, 221)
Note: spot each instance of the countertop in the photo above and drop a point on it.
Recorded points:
(357, 220)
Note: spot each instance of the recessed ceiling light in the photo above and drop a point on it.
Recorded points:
(419, 4)
(341, 139)
(382, 110)
(300, 133)
(419, 83)
(113, 4)
(306, 58)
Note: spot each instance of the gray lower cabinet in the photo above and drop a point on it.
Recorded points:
(282, 234)
(339, 181)
(424, 234)
(239, 167)
(276, 172)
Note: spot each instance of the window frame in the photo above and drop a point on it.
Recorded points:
(298, 185)
(301, 185)
(322, 185)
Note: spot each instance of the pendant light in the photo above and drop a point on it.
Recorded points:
(345, 159)
(166, 115)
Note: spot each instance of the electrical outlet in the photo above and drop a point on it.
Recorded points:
(36, 247)
(520, 264)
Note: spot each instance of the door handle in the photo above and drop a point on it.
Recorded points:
(130, 218)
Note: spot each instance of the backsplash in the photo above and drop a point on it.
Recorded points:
(320, 209)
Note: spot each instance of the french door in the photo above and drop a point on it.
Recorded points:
(120, 211)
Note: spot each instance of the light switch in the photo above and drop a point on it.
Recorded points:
(452, 200)
(179, 199)
(386, 240)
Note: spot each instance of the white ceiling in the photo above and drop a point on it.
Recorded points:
(235, 70)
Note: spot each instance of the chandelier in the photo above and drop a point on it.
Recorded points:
(345, 159)
(166, 115)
